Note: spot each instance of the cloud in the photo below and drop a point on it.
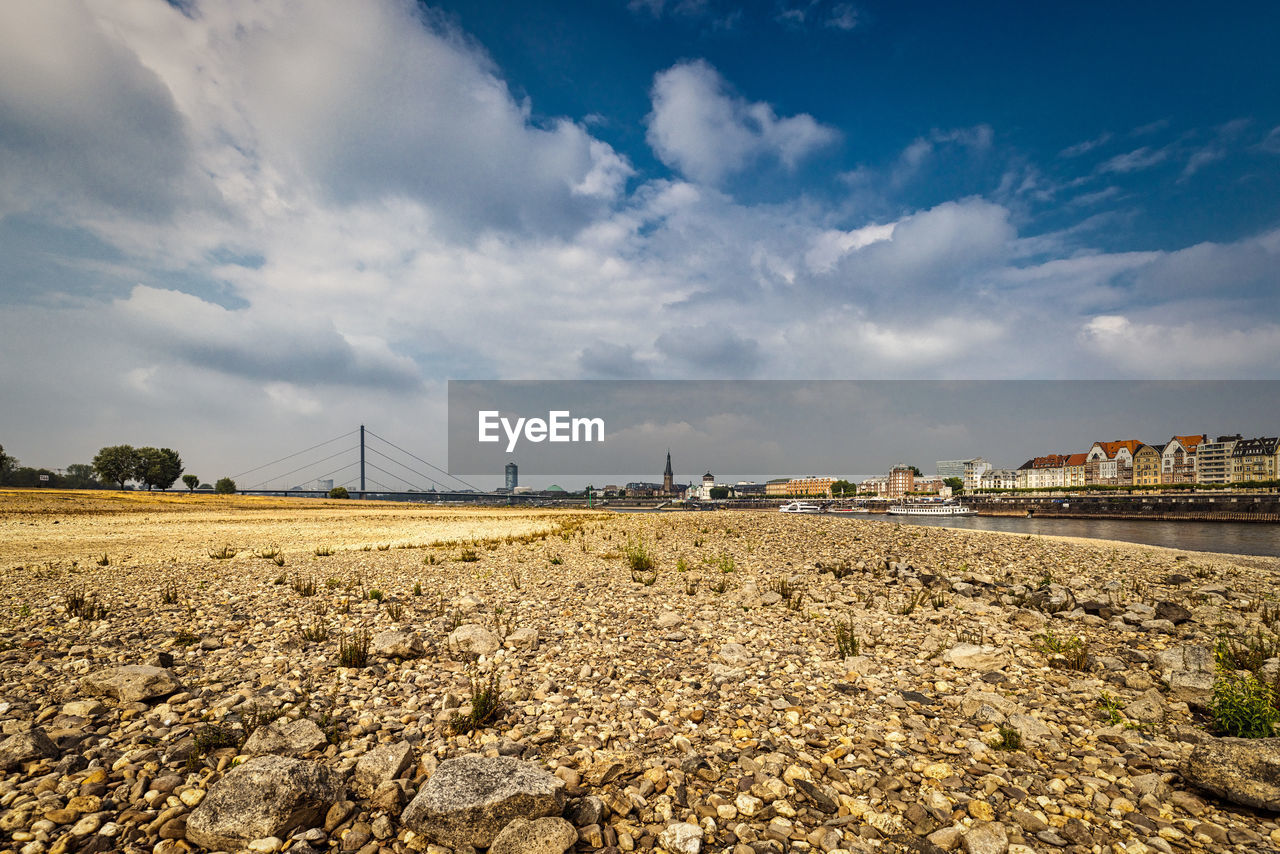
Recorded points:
(1136, 160)
(604, 360)
(914, 158)
(707, 132)
(1149, 349)
(1271, 142)
(709, 350)
(1085, 146)
(843, 17)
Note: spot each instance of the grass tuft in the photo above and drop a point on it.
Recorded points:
(487, 705)
(353, 650)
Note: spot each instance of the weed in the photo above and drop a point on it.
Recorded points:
(395, 611)
(103, 561)
(726, 563)
(1112, 708)
(1243, 707)
(383, 547)
(281, 579)
(486, 705)
(185, 638)
(691, 587)
(468, 556)
(225, 552)
(345, 607)
(268, 552)
(847, 643)
(720, 585)
(1246, 652)
(85, 607)
(977, 637)
(1069, 653)
(452, 619)
(938, 601)
(332, 583)
(913, 601)
(555, 560)
(374, 595)
(430, 560)
(322, 551)
(515, 579)
(353, 650)
(697, 542)
(503, 625)
(212, 737)
(304, 585)
(169, 594)
(646, 578)
(256, 716)
(638, 557)
(315, 632)
(681, 565)
(839, 569)
(278, 560)
(1010, 739)
(417, 588)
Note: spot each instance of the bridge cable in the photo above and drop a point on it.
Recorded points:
(421, 460)
(307, 466)
(394, 476)
(413, 470)
(291, 456)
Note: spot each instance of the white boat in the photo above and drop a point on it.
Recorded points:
(932, 508)
(799, 507)
(847, 510)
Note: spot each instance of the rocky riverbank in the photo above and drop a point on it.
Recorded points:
(771, 684)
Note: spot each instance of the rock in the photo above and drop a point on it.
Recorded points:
(266, 796)
(380, 765)
(1173, 612)
(523, 638)
(1242, 770)
(132, 683)
(1193, 687)
(1033, 730)
(393, 644)
(541, 836)
(681, 838)
(985, 657)
(1148, 708)
(25, 747)
(735, 655)
(668, 620)
(475, 639)
(1193, 657)
(986, 837)
(284, 737)
(468, 800)
(1051, 599)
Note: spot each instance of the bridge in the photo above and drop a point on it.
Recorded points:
(370, 466)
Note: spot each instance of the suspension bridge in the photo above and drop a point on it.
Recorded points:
(367, 466)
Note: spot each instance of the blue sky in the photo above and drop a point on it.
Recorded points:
(236, 227)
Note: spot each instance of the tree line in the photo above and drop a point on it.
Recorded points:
(151, 468)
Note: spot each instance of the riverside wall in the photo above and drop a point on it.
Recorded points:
(1221, 507)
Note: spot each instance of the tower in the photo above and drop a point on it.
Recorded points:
(668, 486)
(512, 473)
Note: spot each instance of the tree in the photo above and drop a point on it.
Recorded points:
(339, 492)
(157, 467)
(4, 460)
(915, 471)
(719, 493)
(843, 487)
(116, 464)
(225, 486)
(956, 484)
(191, 481)
(80, 476)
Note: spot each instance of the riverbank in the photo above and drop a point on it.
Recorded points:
(707, 691)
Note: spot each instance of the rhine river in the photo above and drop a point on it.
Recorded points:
(1241, 538)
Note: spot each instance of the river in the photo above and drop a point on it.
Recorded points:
(1242, 538)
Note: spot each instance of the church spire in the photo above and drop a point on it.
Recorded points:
(667, 471)
(668, 478)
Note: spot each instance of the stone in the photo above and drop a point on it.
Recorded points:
(132, 683)
(522, 638)
(285, 737)
(475, 639)
(25, 747)
(1033, 730)
(266, 796)
(541, 836)
(735, 655)
(1193, 687)
(681, 838)
(1242, 770)
(984, 657)
(1173, 612)
(469, 800)
(393, 644)
(985, 837)
(381, 765)
(1148, 708)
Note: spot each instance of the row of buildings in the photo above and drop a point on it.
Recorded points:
(1192, 459)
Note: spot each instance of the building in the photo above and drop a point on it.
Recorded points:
(1253, 460)
(668, 477)
(875, 485)
(1045, 472)
(811, 486)
(748, 489)
(776, 488)
(1111, 463)
(1178, 459)
(512, 477)
(702, 491)
(950, 468)
(1073, 470)
(1213, 459)
(969, 471)
(930, 486)
(1002, 479)
(901, 481)
(1146, 465)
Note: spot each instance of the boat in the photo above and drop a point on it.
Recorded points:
(932, 508)
(847, 510)
(800, 507)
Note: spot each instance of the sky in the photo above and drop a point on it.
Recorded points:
(238, 228)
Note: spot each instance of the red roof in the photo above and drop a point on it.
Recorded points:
(1112, 448)
(1052, 461)
(1076, 459)
(1190, 442)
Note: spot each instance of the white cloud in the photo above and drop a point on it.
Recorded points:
(1136, 160)
(707, 132)
(1160, 351)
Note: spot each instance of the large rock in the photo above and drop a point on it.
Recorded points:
(475, 639)
(1243, 770)
(681, 838)
(286, 738)
(986, 837)
(25, 747)
(735, 655)
(1172, 611)
(266, 796)
(543, 836)
(1189, 670)
(1051, 599)
(132, 683)
(393, 644)
(468, 800)
(985, 657)
(380, 765)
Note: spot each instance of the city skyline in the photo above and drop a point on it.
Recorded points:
(228, 224)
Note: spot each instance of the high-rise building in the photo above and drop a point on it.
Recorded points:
(512, 477)
(668, 477)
